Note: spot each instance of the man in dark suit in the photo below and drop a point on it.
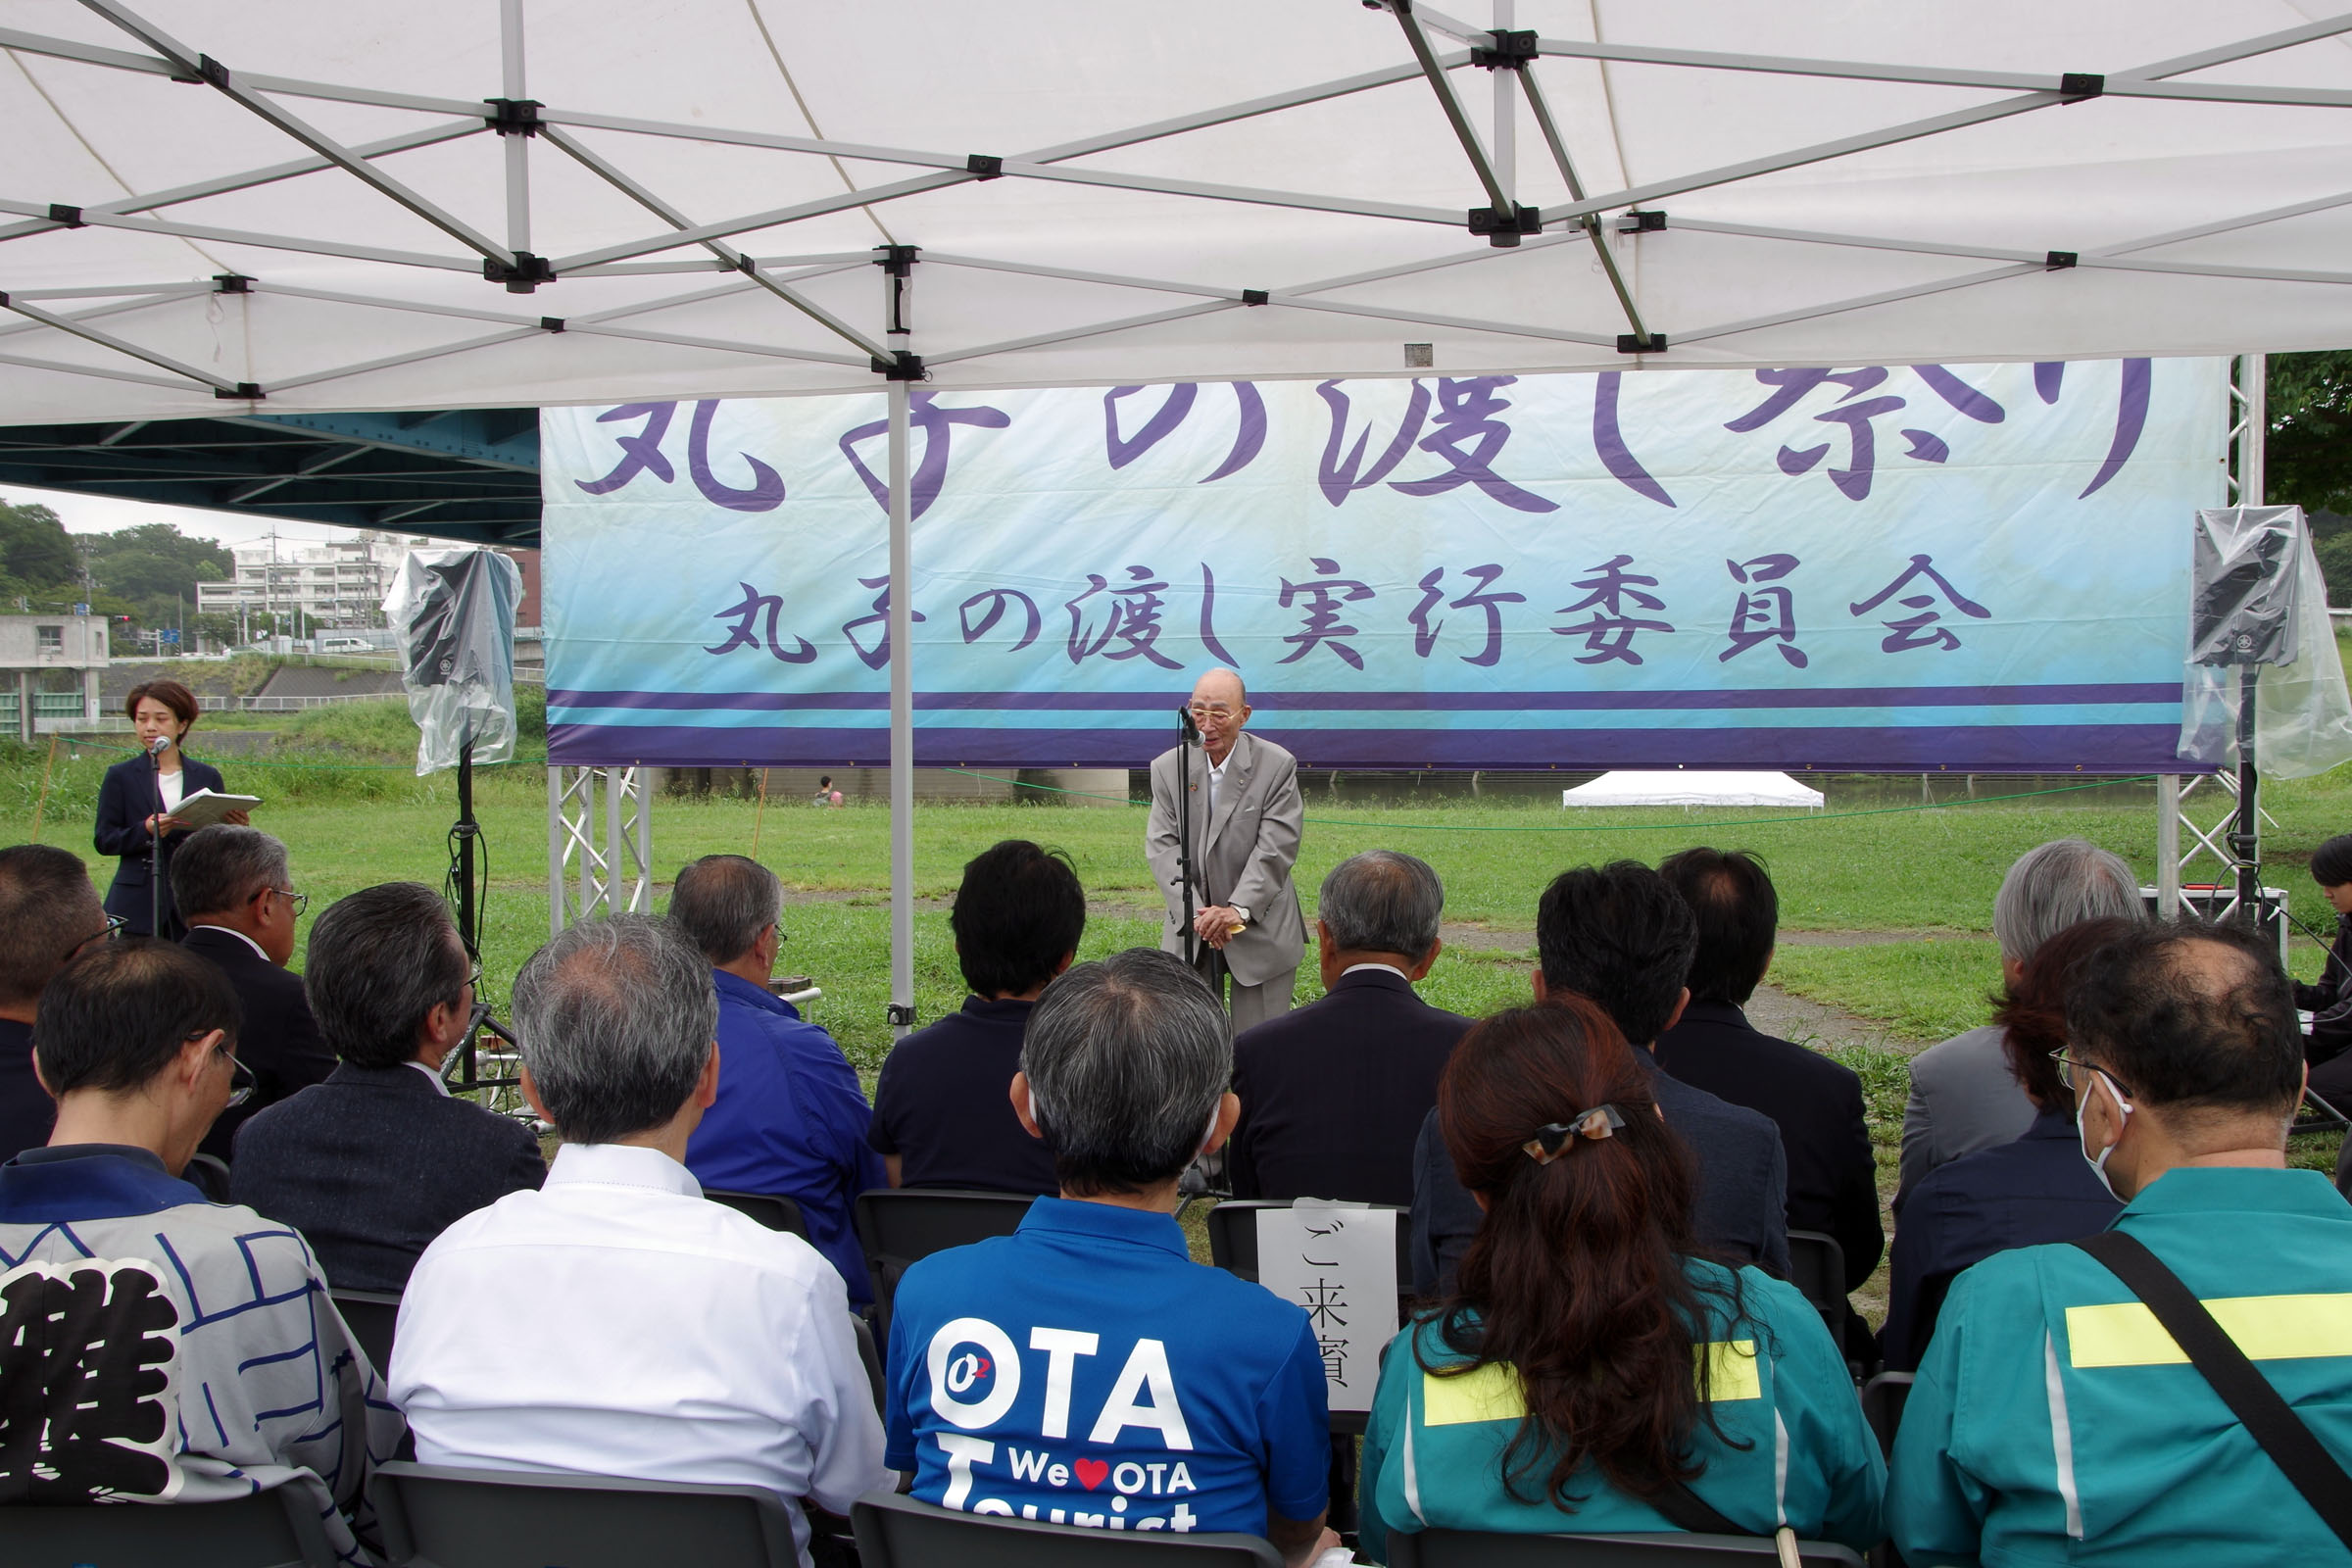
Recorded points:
(232, 887)
(1817, 1104)
(1333, 1095)
(1619, 934)
(376, 1161)
(49, 913)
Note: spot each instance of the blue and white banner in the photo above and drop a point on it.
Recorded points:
(1898, 567)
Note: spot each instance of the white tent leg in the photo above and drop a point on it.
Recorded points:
(2167, 845)
(901, 725)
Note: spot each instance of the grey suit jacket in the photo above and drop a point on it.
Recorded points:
(1963, 1099)
(1243, 853)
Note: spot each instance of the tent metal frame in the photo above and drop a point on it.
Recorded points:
(1511, 58)
(592, 872)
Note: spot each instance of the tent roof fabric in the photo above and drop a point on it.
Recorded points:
(1693, 789)
(282, 205)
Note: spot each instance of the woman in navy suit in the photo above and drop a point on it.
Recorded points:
(139, 795)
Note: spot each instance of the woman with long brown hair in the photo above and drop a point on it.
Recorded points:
(1591, 1374)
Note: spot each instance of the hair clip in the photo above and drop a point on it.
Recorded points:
(1552, 1140)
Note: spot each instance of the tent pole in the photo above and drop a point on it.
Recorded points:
(901, 727)
(517, 147)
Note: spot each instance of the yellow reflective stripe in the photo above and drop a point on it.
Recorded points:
(1494, 1392)
(1490, 1393)
(2268, 1328)
(1732, 1370)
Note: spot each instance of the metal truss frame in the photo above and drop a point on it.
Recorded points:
(592, 872)
(1511, 58)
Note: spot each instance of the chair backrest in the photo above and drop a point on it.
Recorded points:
(895, 1531)
(209, 1175)
(274, 1529)
(870, 1355)
(1233, 1238)
(438, 1517)
(1817, 1267)
(899, 1226)
(772, 1209)
(372, 1316)
(1465, 1548)
(1883, 1399)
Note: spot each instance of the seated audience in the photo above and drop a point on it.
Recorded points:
(2329, 999)
(1589, 1374)
(2024, 1194)
(233, 889)
(1816, 1103)
(1620, 936)
(1963, 1096)
(616, 1322)
(380, 1159)
(1333, 1094)
(159, 1347)
(941, 1114)
(1028, 1370)
(2053, 1419)
(790, 1117)
(49, 914)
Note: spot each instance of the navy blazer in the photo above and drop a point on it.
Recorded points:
(125, 800)
(1333, 1095)
(372, 1164)
(279, 1039)
(1741, 1209)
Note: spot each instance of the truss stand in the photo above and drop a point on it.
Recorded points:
(598, 852)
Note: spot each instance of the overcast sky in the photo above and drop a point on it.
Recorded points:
(88, 514)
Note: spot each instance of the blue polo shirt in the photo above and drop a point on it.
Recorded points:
(1086, 1371)
(790, 1119)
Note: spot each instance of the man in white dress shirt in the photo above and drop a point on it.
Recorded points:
(647, 1332)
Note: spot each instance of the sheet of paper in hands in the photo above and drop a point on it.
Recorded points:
(1338, 1262)
(207, 806)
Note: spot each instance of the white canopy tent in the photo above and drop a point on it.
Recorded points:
(288, 206)
(1693, 788)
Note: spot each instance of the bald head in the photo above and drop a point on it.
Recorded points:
(1220, 707)
(2189, 1017)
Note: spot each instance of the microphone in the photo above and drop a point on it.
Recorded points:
(1192, 731)
(159, 746)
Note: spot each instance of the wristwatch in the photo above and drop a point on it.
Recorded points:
(1241, 925)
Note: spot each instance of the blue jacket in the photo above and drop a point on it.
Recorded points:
(790, 1119)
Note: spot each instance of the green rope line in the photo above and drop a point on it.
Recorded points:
(1630, 827)
(337, 768)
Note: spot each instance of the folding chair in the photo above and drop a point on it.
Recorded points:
(1817, 1267)
(870, 1355)
(438, 1517)
(899, 1226)
(1883, 1399)
(1467, 1548)
(895, 1531)
(274, 1529)
(372, 1316)
(772, 1209)
(209, 1175)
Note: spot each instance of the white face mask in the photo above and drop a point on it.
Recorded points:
(2123, 1106)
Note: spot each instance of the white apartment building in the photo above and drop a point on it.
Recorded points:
(336, 584)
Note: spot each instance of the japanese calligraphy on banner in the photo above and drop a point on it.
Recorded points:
(1879, 567)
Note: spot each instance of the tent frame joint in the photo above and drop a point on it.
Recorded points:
(1512, 50)
(242, 392)
(2060, 261)
(1505, 229)
(526, 272)
(1641, 343)
(987, 165)
(2081, 87)
(1642, 220)
(231, 283)
(513, 117)
(900, 366)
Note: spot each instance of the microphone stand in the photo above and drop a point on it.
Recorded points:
(1188, 736)
(154, 847)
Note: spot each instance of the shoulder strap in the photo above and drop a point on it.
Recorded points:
(1688, 1511)
(2266, 1415)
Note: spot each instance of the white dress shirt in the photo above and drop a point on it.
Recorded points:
(617, 1323)
(207, 925)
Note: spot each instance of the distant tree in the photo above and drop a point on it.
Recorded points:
(2307, 455)
(155, 568)
(35, 548)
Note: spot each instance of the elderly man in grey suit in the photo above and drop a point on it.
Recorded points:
(1246, 814)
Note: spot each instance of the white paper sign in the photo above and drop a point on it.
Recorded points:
(1338, 1262)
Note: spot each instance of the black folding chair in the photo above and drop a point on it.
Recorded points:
(1465, 1548)
(895, 1531)
(1233, 1238)
(372, 1316)
(438, 1517)
(899, 1226)
(1817, 1267)
(1883, 1399)
(772, 1209)
(274, 1529)
(870, 1355)
(209, 1175)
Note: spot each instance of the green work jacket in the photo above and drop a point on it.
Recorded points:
(2055, 1422)
(1795, 1448)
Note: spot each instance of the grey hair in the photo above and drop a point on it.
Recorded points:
(217, 868)
(2059, 884)
(1127, 1061)
(379, 962)
(1382, 902)
(723, 902)
(615, 1019)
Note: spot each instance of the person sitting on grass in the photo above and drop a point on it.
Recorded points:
(1085, 1370)
(1593, 1372)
